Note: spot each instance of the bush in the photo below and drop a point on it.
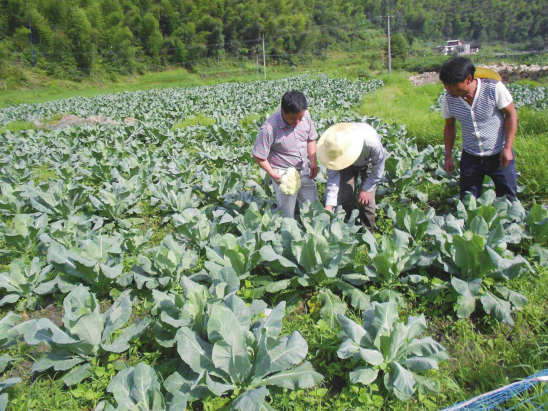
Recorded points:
(424, 64)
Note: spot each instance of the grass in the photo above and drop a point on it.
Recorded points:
(400, 102)
(16, 126)
(198, 119)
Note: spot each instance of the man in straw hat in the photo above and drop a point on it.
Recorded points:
(348, 150)
(285, 140)
(489, 121)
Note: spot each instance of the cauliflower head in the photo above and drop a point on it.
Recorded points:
(290, 182)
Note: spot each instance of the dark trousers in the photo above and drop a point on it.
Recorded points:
(348, 196)
(473, 170)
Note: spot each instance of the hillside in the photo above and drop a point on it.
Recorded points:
(75, 38)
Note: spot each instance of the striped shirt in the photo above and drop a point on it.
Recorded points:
(482, 123)
(283, 145)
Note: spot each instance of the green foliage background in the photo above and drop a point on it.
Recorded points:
(72, 38)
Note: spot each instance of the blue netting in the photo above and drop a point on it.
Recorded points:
(528, 394)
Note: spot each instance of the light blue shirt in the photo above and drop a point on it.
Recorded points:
(373, 152)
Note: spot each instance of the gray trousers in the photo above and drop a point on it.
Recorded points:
(348, 195)
(308, 191)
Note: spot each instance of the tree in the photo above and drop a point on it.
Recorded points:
(151, 35)
(81, 35)
(399, 48)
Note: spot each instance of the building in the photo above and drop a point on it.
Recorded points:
(456, 47)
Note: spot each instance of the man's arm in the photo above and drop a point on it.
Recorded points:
(332, 189)
(311, 149)
(265, 165)
(449, 135)
(510, 127)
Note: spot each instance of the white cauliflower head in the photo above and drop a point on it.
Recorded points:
(290, 182)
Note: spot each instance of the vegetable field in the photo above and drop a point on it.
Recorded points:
(143, 266)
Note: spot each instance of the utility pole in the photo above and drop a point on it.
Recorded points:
(389, 48)
(264, 59)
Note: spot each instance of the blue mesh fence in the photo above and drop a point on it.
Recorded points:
(530, 393)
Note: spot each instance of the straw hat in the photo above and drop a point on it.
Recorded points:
(482, 72)
(340, 146)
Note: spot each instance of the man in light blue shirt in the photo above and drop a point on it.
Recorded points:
(349, 150)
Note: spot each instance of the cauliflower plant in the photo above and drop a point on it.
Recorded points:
(290, 182)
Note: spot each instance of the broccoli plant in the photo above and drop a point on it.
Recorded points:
(391, 349)
(172, 196)
(162, 266)
(12, 201)
(3, 395)
(95, 260)
(24, 233)
(193, 226)
(228, 353)
(537, 223)
(313, 259)
(58, 200)
(137, 388)
(24, 283)
(119, 199)
(87, 334)
(495, 211)
(477, 258)
(412, 220)
(238, 253)
(390, 259)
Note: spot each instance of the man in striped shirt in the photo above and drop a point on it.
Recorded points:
(489, 122)
(288, 139)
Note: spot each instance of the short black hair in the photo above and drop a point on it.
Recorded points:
(294, 102)
(456, 69)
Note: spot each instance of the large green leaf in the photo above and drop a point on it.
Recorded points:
(137, 388)
(420, 364)
(6, 324)
(498, 308)
(231, 356)
(355, 332)
(379, 320)
(301, 377)
(60, 360)
(77, 374)
(89, 328)
(291, 351)
(331, 306)
(363, 375)
(358, 298)
(519, 300)
(401, 380)
(251, 400)
(194, 351)
(469, 255)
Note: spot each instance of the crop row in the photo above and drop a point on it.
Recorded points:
(175, 229)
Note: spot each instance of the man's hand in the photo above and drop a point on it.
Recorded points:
(313, 171)
(364, 198)
(449, 165)
(506, 156)
(329, 208)
(276, 177)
